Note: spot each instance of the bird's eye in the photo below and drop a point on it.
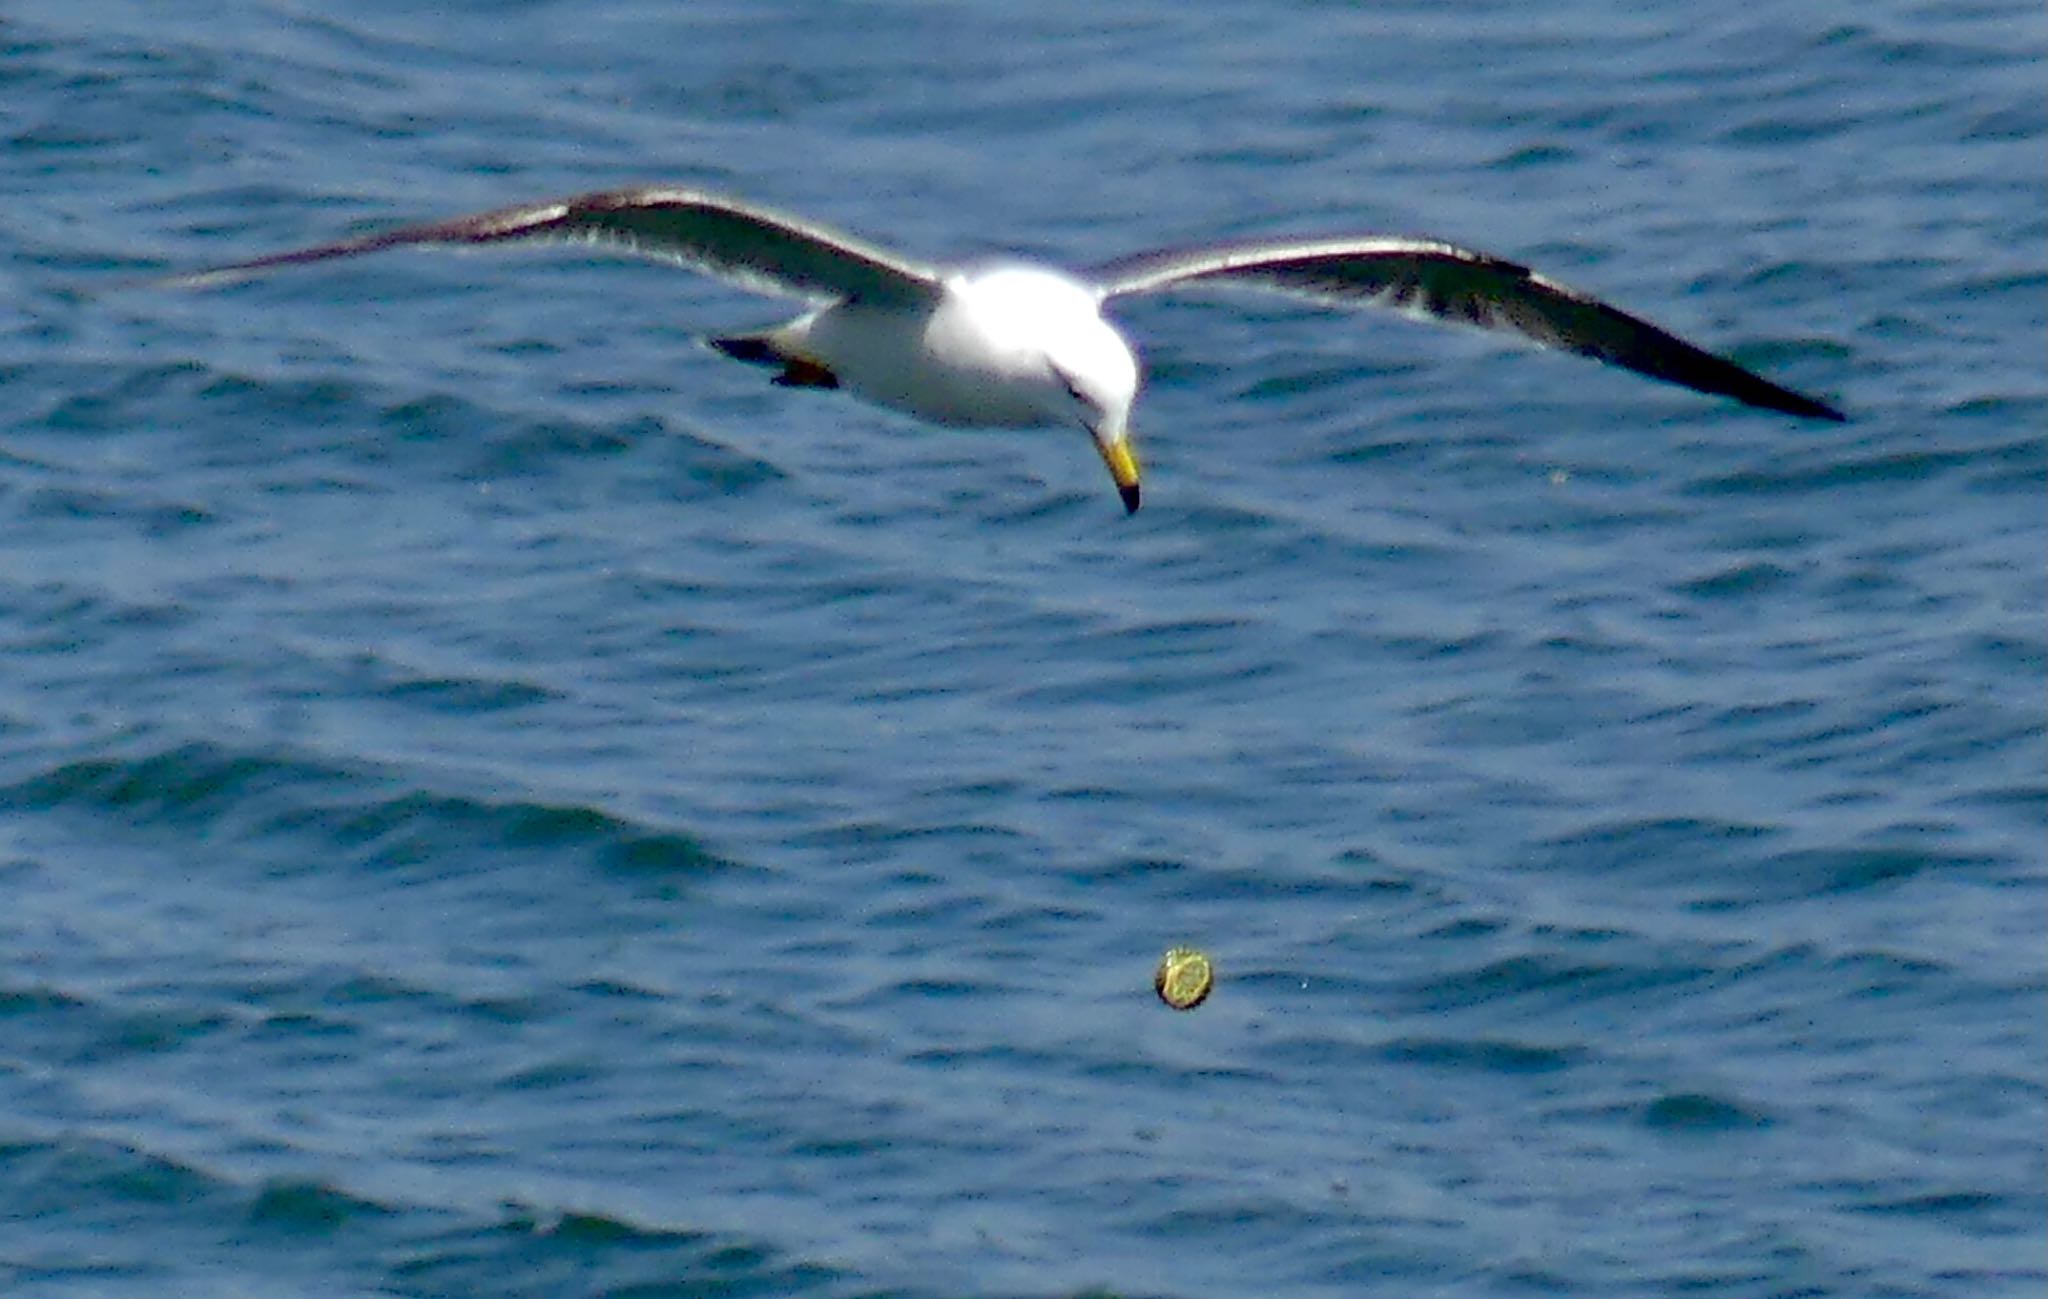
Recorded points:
(1073, 388)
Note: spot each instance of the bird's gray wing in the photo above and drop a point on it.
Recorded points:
(1438, 281)
(751, 246)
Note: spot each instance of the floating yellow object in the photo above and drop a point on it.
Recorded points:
(1184, 978)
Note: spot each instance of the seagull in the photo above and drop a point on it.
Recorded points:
(1010, 344)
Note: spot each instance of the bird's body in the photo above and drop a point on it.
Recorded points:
(1013, 345)
(989, 354)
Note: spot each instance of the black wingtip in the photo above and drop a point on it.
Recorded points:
(1130, 495)
(1705, 372)
(1797, 403)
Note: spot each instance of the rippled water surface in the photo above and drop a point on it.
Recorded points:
(496, 800)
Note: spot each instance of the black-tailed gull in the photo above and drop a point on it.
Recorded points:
(1009, 344)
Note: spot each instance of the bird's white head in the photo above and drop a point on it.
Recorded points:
(1050, 327)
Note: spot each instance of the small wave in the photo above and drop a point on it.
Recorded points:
(1625, 845)
(1701, 1112)
(301, 1206)
(269, 792)
(198, 780)
(1816, 872)
(1739, 581)
(55, 1175)
(1484, 1055)
(1964, 1206)
(1554, 975)
(100, 399)
(605, 1253)
(1846, 471)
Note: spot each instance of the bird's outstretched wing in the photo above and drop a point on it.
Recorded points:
(1442, 282)
(751, 246)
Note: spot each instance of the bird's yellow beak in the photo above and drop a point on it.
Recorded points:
(1123, 469)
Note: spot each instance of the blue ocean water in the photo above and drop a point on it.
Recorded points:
(495, 800)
